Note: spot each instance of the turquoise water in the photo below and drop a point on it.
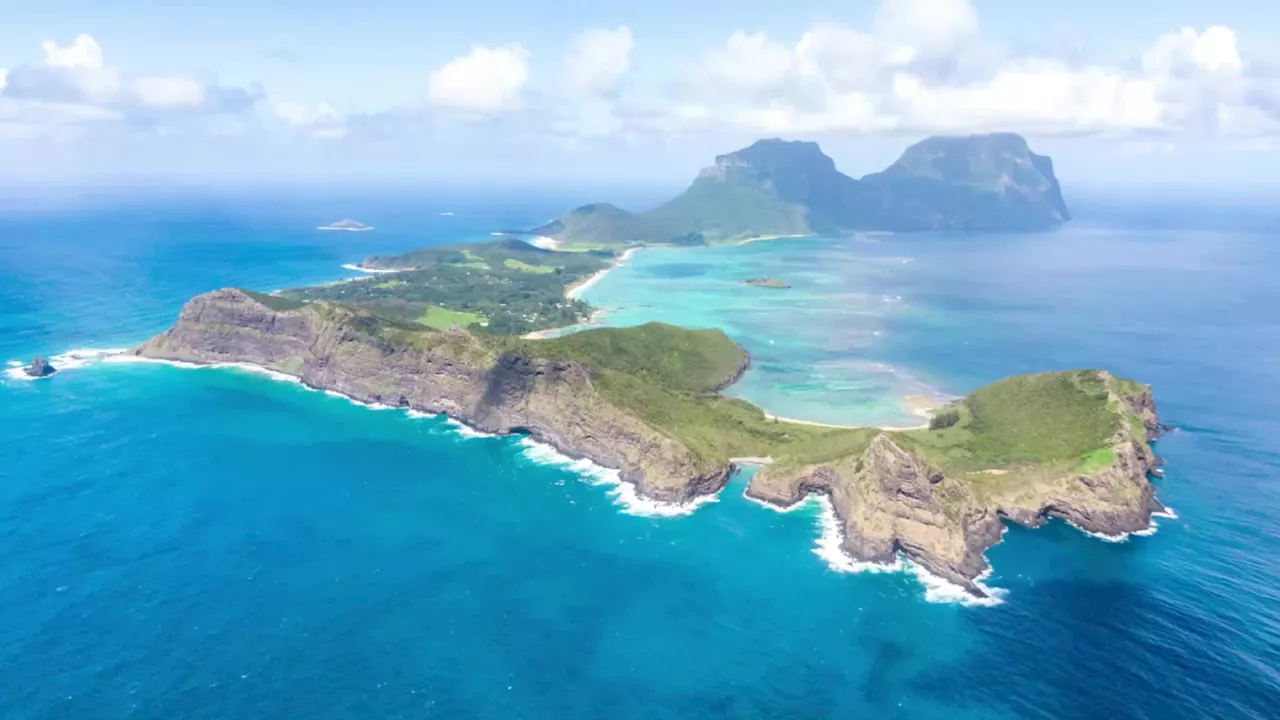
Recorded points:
(212, 544)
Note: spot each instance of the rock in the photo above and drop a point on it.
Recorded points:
(767, 282)
(39, 368)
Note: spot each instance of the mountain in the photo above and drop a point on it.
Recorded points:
(779, 187)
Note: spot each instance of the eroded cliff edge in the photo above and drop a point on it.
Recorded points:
(645, 401)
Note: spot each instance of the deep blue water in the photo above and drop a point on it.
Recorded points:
(212, 544)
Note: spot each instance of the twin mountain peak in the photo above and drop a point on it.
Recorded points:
(779, 187)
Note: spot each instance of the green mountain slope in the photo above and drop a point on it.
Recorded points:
(777, 187)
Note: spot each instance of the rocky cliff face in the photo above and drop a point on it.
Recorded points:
(891, 500)
(338, 349)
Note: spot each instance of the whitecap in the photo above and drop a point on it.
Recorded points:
(623, 493)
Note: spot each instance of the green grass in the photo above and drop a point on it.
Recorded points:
(442, 319)
(1096, 461)
(666, 355)
(526, 267)
(275, 302)
(389, 284)
(1030, 419)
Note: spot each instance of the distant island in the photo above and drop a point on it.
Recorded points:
(461, 330)
(766, 282)
(349, 225)
(781, 188)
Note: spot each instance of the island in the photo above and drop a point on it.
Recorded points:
(766, 282)
(349, 225)
(647, 401)
(777, 188)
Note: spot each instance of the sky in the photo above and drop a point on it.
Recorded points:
(600, 92)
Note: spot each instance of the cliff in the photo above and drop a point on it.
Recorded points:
(645, 401)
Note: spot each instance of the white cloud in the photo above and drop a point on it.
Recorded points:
(922, 67)
(485, 80)
(169, 91)
(83, 52)
(934, 26)
(321, 121)
(74, 85)
(597, 60)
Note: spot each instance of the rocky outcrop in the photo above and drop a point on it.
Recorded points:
(339, 349)
(39, 368)
(890, 500)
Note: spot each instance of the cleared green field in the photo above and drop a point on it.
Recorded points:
(442, 319)
(526, 267)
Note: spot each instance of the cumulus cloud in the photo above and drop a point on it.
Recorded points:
(597, 60)
(485, 80)
(922, 67)
(74, 85)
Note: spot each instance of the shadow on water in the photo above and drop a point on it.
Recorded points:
(1087, 650)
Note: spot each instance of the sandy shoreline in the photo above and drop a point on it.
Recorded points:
(762, 238)
(574, 292)
(812, 423)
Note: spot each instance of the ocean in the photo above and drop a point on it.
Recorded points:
(212, 543)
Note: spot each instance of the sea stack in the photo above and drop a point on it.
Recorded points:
(39, 368)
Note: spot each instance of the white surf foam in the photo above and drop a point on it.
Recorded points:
(465, 430)
(936, 589)
(623, 493)
(70, 360)
(830, 539)
(374, 271)
(940, 591)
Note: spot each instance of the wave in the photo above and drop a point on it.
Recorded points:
(829, 547)
(465, 430)
(373, 271)
(623, 493)
(1167, 514)
(70, 360)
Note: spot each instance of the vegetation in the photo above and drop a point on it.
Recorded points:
(776, 187)
(513, 286)
(944, 418)
(442, 319)
(275, 302)
(514, 264)
(1050, 418)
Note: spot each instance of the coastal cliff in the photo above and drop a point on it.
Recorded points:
(645, 401)
(893, 498)
(375, 360)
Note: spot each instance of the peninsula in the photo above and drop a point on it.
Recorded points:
(780, 188)
(349, 225)
(645, 400)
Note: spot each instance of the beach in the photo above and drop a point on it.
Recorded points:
(574, 292)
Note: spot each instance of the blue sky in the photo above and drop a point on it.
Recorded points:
(577, 92)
